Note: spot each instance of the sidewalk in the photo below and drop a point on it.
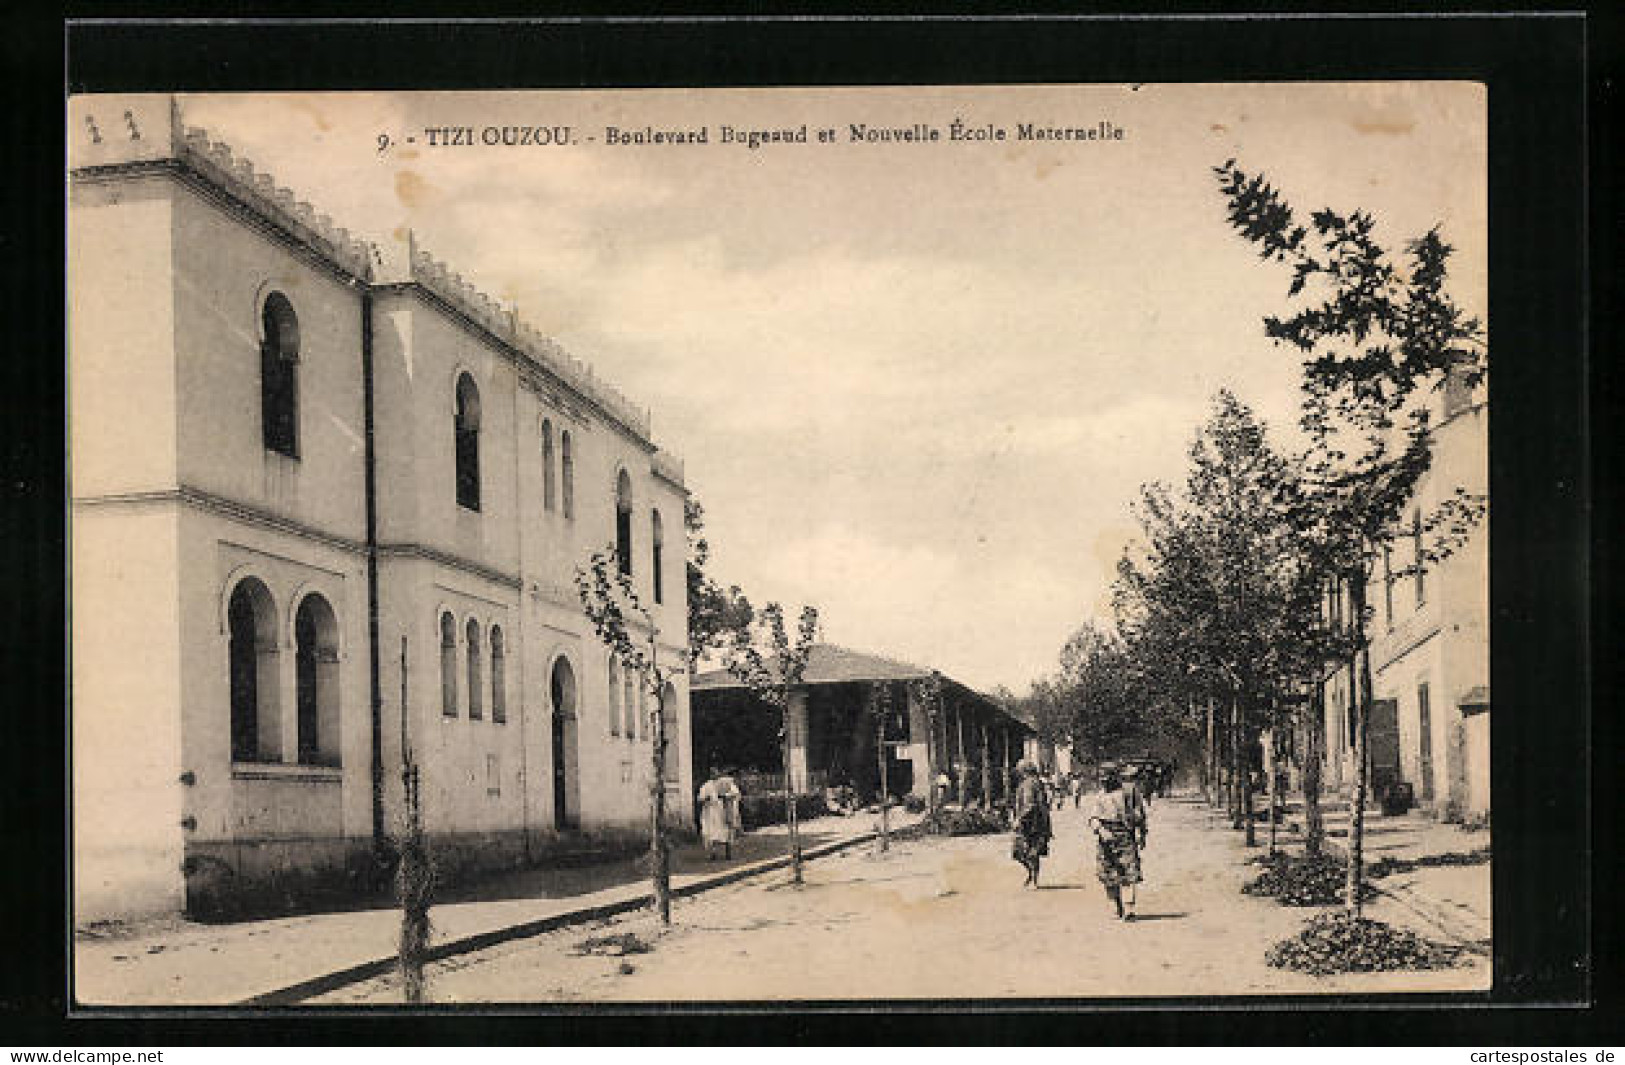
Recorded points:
(281, 961)
(1453, 899)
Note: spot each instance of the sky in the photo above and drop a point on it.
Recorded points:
(917, 385)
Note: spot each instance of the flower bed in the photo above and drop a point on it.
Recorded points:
(1334, 943)
(1301, 880)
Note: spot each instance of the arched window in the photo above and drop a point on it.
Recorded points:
(623, 522)
(316, 673)
(629, 702)
(251, 653)
(567, 474)
(550, 477)
(668, 714)
(614, 696)
(657, 541)
(467, 429)
(475, 684)
(499, 680)
(448, 665)
(279, 375)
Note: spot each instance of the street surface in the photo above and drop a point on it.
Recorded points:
(939, 918)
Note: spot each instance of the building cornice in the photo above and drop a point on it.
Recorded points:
(542, 380)
(213, 503)
(446, 558)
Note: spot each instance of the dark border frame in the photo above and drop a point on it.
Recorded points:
(1541, 467)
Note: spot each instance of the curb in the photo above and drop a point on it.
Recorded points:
(293, 994)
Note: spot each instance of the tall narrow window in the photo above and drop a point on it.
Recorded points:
(614, 697)
(1388, 585)
(316, 682)
(475, 683)
(629, 702)
(448, 665)
(1421, 563)
(499, 680)
(657, 541)
(623, 522)
(251, 656)
(550, 477)
(279, 375)
(467, 432)
(567, 474)
(668, 714)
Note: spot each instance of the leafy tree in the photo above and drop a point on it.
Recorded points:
(1375, 334)
(628, 629)
(772, 678)
(715, 613)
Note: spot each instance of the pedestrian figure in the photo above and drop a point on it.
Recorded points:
(1031, 819)
(719, 814)
(1117, 818)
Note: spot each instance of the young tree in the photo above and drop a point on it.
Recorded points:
(1375, 332)
(628, 629)
(773, 678)
(715, 614)
(927, 691)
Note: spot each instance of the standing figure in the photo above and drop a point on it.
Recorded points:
(719, 814)
(1118, 821)
(1030, 815)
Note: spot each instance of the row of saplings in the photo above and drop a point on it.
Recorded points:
(1343, 941)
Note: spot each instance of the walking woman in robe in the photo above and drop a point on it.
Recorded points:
(1032, 824)
(719, 814)
(1117, 819)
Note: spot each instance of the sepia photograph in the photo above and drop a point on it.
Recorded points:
(779, 544)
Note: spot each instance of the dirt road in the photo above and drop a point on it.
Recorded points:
(938, 918)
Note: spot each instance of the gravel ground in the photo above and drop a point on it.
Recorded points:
(937, 918)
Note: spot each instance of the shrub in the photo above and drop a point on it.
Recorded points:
(1386, 866)
(756, 811)
(1338, 943)
(973, 821)
(913, 804)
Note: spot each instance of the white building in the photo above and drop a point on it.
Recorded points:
(277, 434)
(1430, 652)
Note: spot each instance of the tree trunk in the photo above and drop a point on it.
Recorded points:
(1210, 767)
(1274, 772)
(1006, 763)
(1314, 836)
(1235, 795)
(790, 801)
(660, 856)
(961, 765)
(1360, 682)
(931, 762)
(1246, 742)
(880, 757)
(987, 771)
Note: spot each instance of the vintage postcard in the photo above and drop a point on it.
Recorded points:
(779, 545)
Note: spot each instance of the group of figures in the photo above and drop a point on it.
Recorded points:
(1118, 820)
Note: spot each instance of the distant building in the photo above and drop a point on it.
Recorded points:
(324, 492)
(1430, 655)
(834, 729)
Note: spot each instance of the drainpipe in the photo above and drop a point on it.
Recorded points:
(377, 695)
